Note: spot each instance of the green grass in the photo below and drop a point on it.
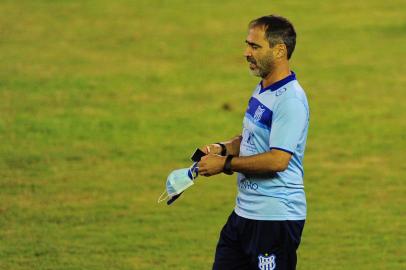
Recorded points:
(100, 100)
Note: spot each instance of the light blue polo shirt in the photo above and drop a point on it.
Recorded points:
(277, 117)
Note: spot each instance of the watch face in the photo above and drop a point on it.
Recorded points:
(197, 155)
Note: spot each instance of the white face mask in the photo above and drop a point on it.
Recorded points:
(177, 182)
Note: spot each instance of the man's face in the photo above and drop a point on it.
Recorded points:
(258, 53)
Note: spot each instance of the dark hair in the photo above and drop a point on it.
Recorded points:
(277, 30)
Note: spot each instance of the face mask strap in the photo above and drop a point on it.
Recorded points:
(160, 199)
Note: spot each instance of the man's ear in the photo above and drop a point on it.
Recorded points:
(280, 51)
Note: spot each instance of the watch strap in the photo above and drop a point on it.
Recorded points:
(227, 165)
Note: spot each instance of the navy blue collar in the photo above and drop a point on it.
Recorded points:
(278, 84)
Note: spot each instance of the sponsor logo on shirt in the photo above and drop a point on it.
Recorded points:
(280, 91)
(247, 184)
(248, 136)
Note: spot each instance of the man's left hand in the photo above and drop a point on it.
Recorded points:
(211, 164)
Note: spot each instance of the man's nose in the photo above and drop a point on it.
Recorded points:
(247, 52)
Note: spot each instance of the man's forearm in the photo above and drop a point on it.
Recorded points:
(233, 145)
(269, 162)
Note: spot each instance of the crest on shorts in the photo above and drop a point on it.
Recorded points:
(266, 262)
(258, 113)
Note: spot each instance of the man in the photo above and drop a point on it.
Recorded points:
(264, 230)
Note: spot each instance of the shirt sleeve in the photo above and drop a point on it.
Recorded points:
(288, 123)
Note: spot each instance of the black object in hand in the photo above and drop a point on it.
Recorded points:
(197, 155)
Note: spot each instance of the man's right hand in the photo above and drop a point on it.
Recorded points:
(212, 149)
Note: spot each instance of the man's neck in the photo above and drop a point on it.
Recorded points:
(280, 72)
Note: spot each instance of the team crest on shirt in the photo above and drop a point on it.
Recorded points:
(266, 262)
(258, 113)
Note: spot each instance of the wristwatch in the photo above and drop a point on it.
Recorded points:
(227, 165)
(223, 148)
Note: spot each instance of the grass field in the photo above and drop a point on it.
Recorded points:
(100, 100)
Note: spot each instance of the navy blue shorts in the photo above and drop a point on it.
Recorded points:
(247, 244)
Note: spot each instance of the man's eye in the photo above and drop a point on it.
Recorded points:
(255, 47)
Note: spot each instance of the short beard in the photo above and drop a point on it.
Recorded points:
(264, 67)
